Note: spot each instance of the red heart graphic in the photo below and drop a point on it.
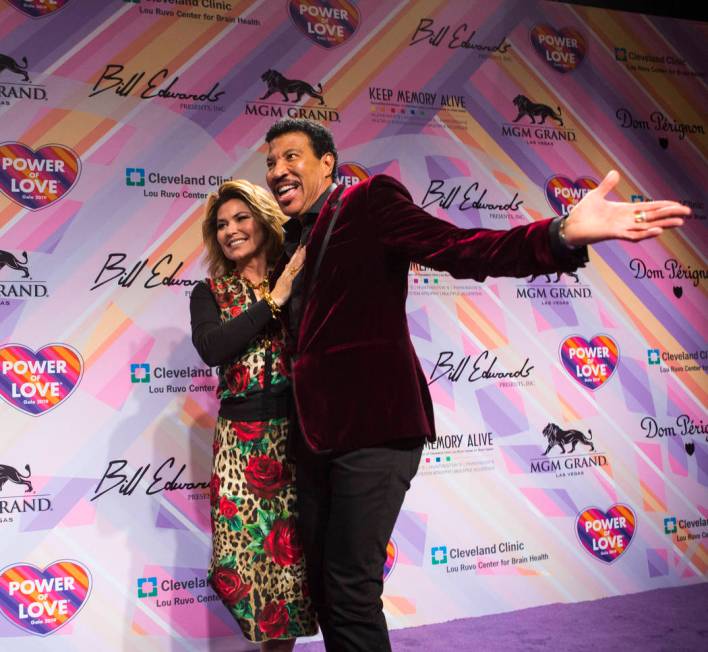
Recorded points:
(36, 383)
(563, 193)
(35, 179)
(562, 49)
(38, 8)
(328, 23)
(606, 535)
(42, 601)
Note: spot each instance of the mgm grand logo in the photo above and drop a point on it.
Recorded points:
(15, 83)
(535, 115)
(20, 504)
(23, 287)
(567, 461)
(287, 92)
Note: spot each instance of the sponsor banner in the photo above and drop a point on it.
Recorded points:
(606, 535)
(590, 363)
(38, 8)
(41, 601)
(327, 23)
(37, 178)
(36, 382)
(562, 49)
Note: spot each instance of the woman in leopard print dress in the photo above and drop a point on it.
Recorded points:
(257, 565)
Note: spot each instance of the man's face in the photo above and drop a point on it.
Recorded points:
(295, 176)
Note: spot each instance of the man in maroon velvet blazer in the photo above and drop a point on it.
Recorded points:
(362, 400)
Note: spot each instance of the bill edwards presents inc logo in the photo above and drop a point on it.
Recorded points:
(36, 382)
(483, 367)
(150, 85)
(42, 601)
(590, 363)
(456, 37)
(328, 23)
(36, 178)
(163, 273)
(606, 535)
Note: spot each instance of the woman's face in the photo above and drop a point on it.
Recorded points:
(238, 233)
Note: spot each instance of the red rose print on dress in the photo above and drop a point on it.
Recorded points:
(265, 477)
(274, 619)
(248, 430)
(229, 586)
(237, 378)
(282, 544)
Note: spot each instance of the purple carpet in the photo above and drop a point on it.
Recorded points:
(674, 620)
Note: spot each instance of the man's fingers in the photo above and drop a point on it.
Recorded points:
(608, 183)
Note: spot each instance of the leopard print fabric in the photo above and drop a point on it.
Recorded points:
(257, 566)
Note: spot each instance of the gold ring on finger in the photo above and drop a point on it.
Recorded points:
(640, 216)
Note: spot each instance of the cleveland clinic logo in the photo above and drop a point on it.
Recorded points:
(147, 587)
(438, 555)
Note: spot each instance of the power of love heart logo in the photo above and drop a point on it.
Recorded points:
(606, 535)
(42, 601)
(36, 383)
(35, 179)
(351, 173)
(562, 49)
(328, 23)
(592, 362)
(391, 558)
(563, 193)
(38, 8)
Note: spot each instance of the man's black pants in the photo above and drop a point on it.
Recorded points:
(348, 504)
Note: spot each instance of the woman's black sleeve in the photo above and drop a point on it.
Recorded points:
(220, 342)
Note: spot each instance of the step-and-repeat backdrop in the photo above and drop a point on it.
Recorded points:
(572, 458)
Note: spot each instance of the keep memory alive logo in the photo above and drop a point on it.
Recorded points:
(42, 601)
(590, 363)
(328, 23)
(606, 535)
(37, 178)
(38, 8)
(37, 382)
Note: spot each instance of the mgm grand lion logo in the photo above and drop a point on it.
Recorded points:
(278, 83)
(536, 110)
(11, 474)
(8, 63)
(13, 262)
(556, 436)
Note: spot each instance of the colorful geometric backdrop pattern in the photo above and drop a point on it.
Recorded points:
(571, 410)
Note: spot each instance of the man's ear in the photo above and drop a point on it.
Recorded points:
(328, 160)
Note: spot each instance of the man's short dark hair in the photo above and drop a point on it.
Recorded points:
(320, 137)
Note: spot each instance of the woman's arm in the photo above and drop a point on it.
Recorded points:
(219, 342)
